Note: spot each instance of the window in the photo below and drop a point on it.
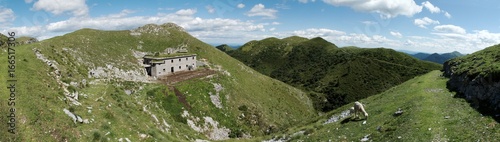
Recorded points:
(171, 61)
(163, 70)
(193, 57)
(179, 67)
(179, 59)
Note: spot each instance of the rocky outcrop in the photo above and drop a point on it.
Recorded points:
(481, 90)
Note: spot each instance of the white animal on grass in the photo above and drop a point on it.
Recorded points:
(358, 108)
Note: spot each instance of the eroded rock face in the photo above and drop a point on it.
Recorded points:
(483, 92)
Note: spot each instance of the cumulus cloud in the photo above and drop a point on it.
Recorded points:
(6, 15)
(314, 32)
(386, 8)
(429, 6)
(450, 29)
(260, 10)
(434, 9)
(396, 34)
(454, 39)
(75, 7)
(186, 12)
(241, 5)
(423, 22)
(448, 15)
(210, 9)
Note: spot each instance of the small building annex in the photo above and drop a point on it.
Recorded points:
(165, 64)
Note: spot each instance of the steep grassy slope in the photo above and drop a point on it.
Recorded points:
(337, 75)
(476, 77)
(430, 113)
(102, 67)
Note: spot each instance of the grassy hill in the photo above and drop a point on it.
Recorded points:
(266, 55)
(332, 76)
(120, 102)
(430, 113)
(476, 77)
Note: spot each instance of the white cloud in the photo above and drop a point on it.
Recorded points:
(76, 7)
(396, 34)
(186, 12)
(28, 1)
(423, 22)
(241, 5)
(34, 31)
(450, 29)
(305, 1)
(313, 32)
(6, 15)
(210, 9)
(448, 15)
(431, 7)
(275, 23)
(457, 40)
(272, 29)
(386, 8)
(260, 10)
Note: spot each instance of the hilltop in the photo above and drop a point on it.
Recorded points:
(476, 77)
(429, 113)
(224, 48)
(332, 76)
(99, 76)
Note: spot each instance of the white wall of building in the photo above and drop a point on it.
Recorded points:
(173, 65)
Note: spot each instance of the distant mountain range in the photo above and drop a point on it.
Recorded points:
(437, 58)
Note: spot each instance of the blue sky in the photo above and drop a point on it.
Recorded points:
(416, 25)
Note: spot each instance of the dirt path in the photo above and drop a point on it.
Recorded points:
(185, 75)
(180, 97)
(172, 79)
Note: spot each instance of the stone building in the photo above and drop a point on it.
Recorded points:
(158, 65)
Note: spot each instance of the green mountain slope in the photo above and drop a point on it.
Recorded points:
(476, 77)
(332, 76)
(441, 58)
(421, 56)
(266, 55)
(430, 113)
(98, 76)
